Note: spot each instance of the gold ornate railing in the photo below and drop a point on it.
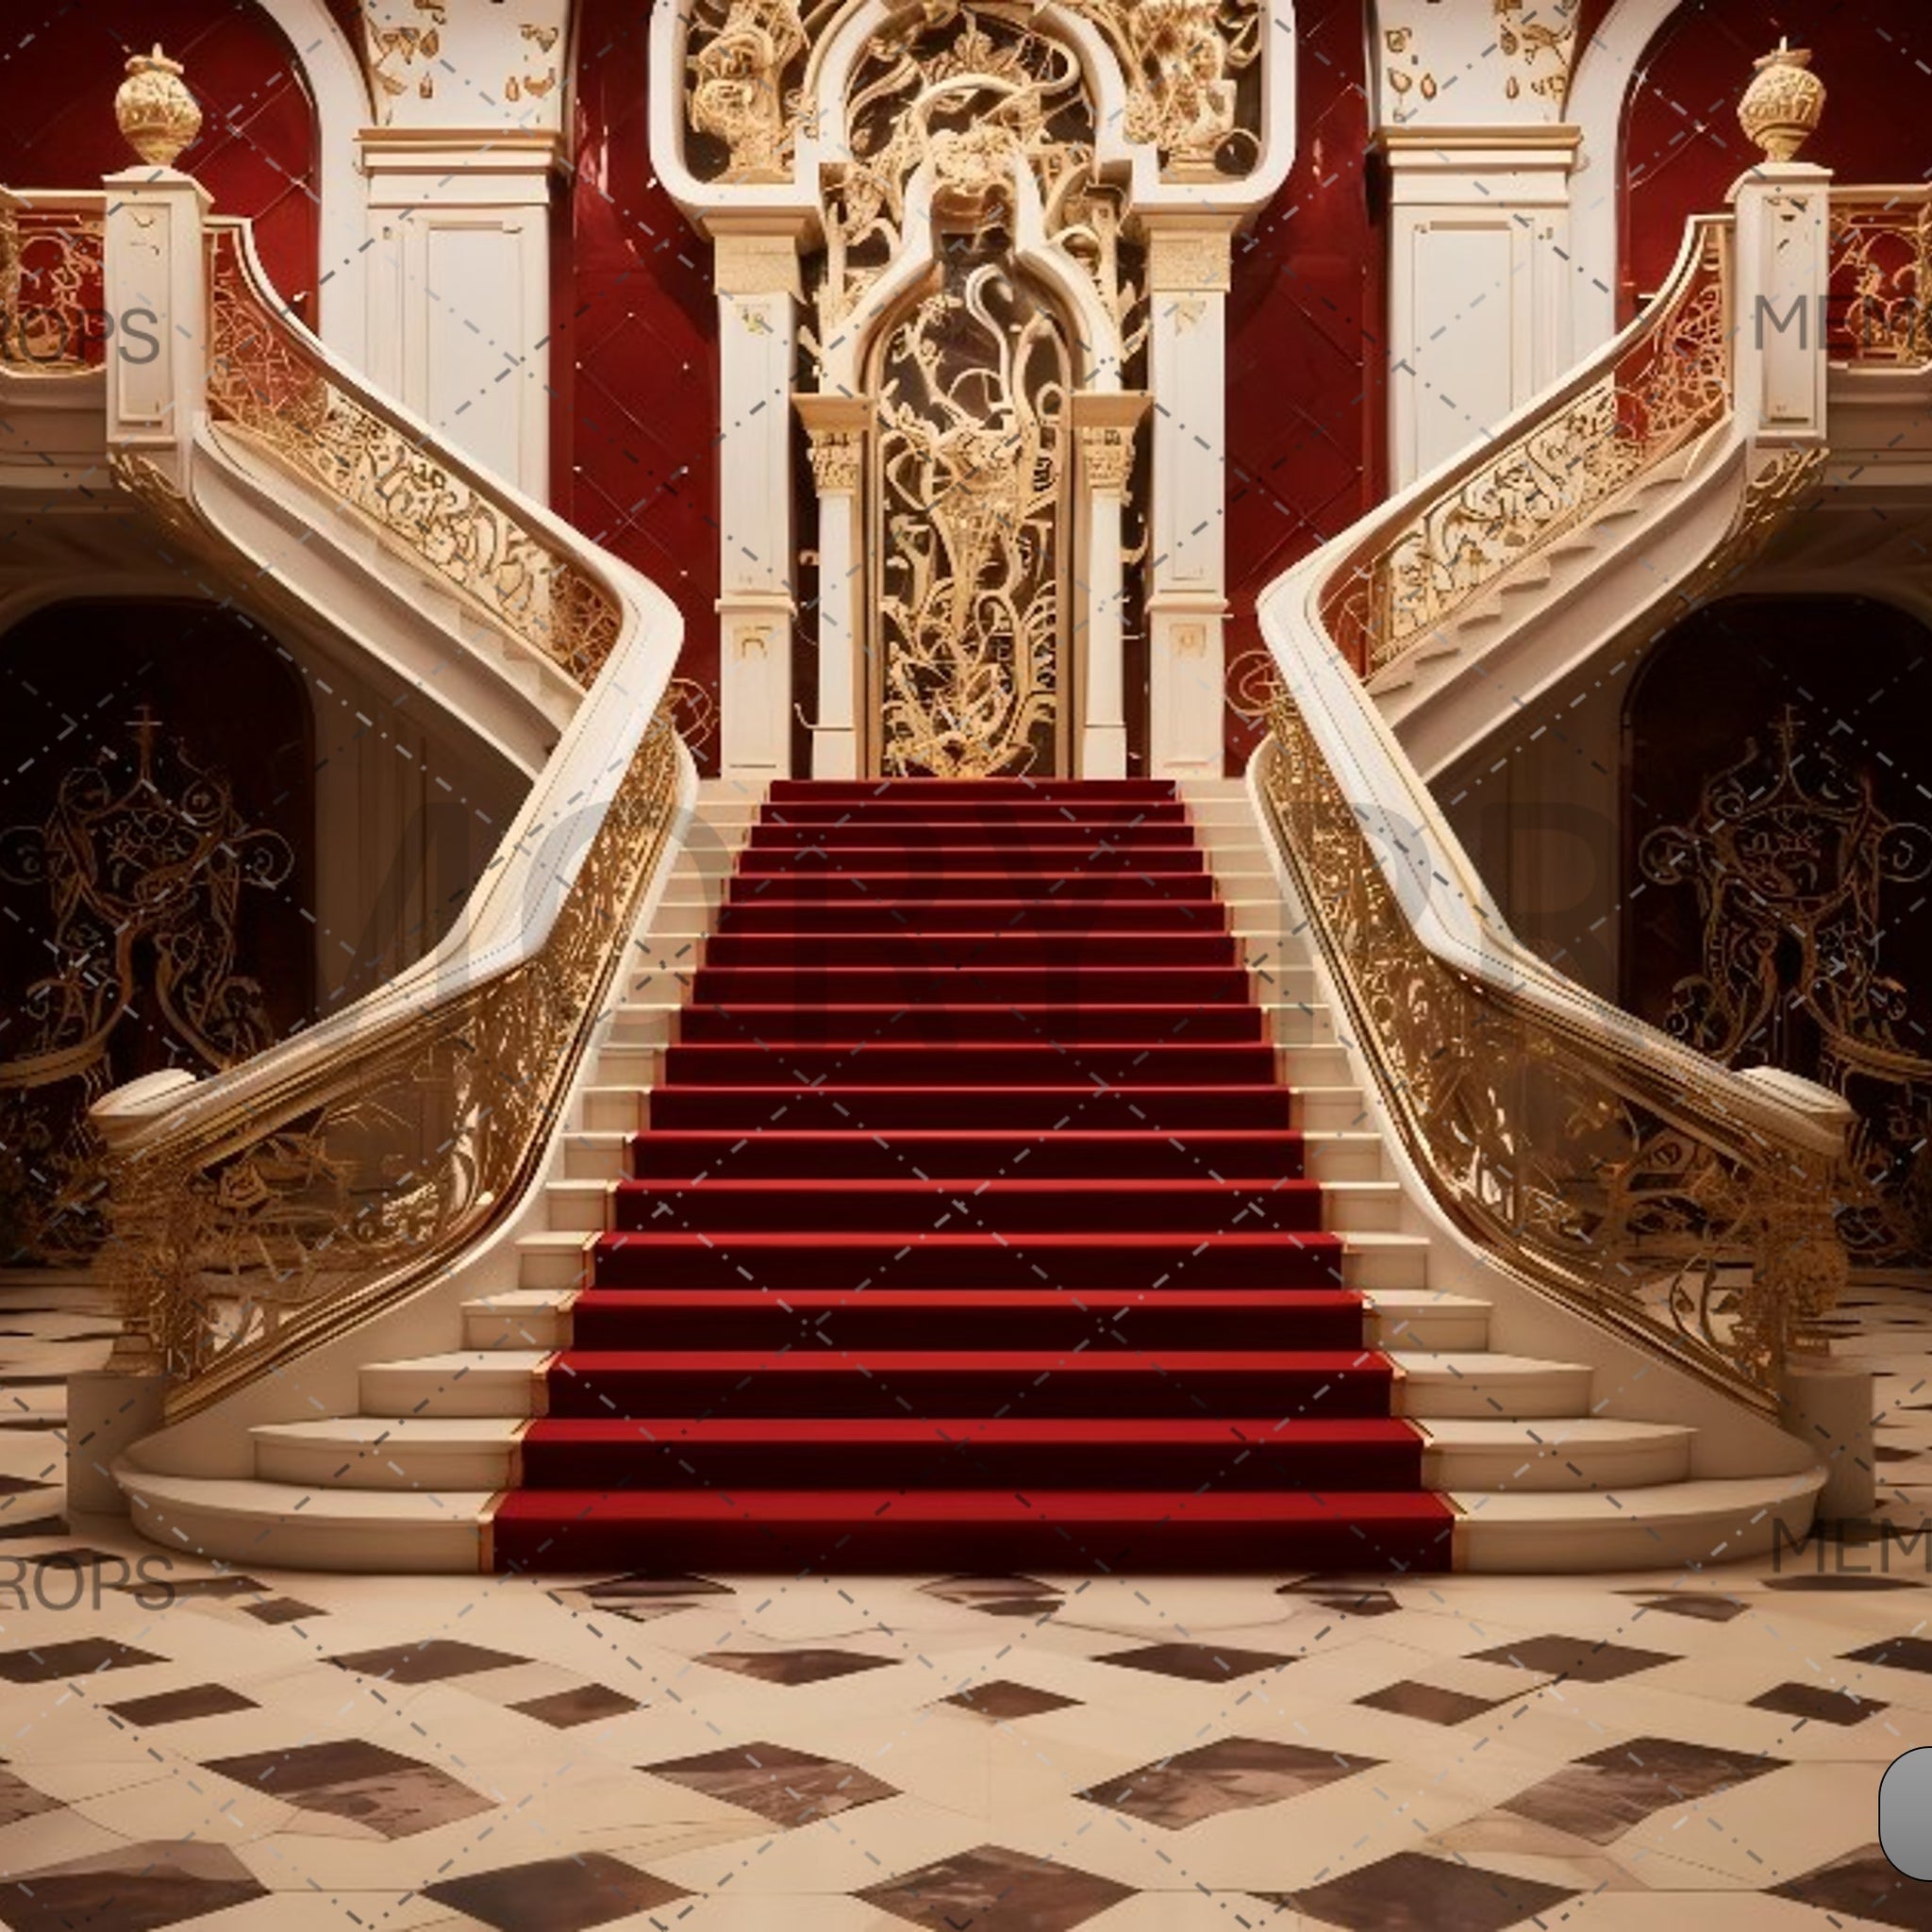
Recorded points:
(1664, 382)
(1878, 308)
(271, 381)
(270, 1220)
(1594, 1157)
(53, 309)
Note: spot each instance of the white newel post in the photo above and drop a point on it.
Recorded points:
(1187, 280)
(756, 272)
(1783, 271)
(155, 286)
(839, 428)
(1481, 281)
(1104, 422)
(458, 280)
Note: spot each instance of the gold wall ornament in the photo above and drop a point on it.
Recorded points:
(742, 54)
(1781, 109)
(1509, 502)
(838, 459)
(255, 1230)
(141, 868)
(1577, 1160)
(268, 381)
(1797, 872)
(970, 468)
(1106, 457)
(1879, 307)
(157, 114)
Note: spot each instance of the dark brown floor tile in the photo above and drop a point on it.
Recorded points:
(282, 1610)
(557, 1894)
(1691, 1603)
(1896, 1654)
(1230, 1775)
(80, 1658)
(1600, 1797)
(588, 1703)
(1004, 1700)
(1429, 1703)
(1580, 1659)
(426, 1663)
(643, 1585)
(18, 1800)
(1412, 1890)
(393, 1795)
(1200, 1663)
(793, 1666)
(786, 1788)
(132, 1889)
(1863, 1885)
(1831, 1581)
(176, 1707)
(1817, 1701)
(992, 1890)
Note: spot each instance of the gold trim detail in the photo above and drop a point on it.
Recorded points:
(1879, 308)
(270, 381)
(51, 290)
(1508, 505)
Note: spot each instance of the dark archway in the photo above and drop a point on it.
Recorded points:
(157, 871)
(1777, 827)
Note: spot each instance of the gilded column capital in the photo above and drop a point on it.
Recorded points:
(1191, 258)
(756, 262)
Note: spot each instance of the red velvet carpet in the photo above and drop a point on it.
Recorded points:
(969, 1230)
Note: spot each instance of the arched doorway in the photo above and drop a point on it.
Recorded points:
(1778, 830)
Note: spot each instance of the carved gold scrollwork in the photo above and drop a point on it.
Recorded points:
(1879, 308)
(51, 296)
(267, 379)
(270, 1222)
(742, 54)
(1671, 386)
(1581, 1164)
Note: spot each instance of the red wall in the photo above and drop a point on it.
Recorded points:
(1305, 354)
(258, 146)
(1683, 147)
(634, 357)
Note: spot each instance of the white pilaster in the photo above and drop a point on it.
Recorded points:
(154, 286)
(755, 273)
(1103, 424)
(1188, 278)
(459, 286)
(839, 428)
(1783, 272)
(1481, 281)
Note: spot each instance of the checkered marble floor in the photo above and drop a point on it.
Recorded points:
(276, 1753)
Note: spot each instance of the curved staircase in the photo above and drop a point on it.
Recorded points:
(994, 1190)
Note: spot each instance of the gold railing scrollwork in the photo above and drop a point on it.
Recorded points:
(1577, 1155)
(269, 380)
(1878, 308)
(1668, 382)
(261, 1226)
(53, 307)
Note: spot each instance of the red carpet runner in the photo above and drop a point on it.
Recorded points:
(969, 1230)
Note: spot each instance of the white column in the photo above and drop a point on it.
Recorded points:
(839, 428)
(1481, 285)
(756, 277)
(459, 278)
(155, 286)
(1104, 426)
(1188, 275)
(1783, 272)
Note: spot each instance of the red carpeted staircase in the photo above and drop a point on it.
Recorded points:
(970, 1229)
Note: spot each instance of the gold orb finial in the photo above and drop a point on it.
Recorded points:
(157, 115)
(1782, 105)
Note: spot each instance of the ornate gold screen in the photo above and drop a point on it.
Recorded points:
(970, 488)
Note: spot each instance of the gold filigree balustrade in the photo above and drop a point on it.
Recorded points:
(274, 383)
(53, 306)
(1668, 381)
(268, 1221)
(1878, 308)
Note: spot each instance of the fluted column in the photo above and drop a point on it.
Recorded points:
(839, 426)
(1104, 425)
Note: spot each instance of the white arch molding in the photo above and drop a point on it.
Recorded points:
(342, 109)
(1598, 94)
